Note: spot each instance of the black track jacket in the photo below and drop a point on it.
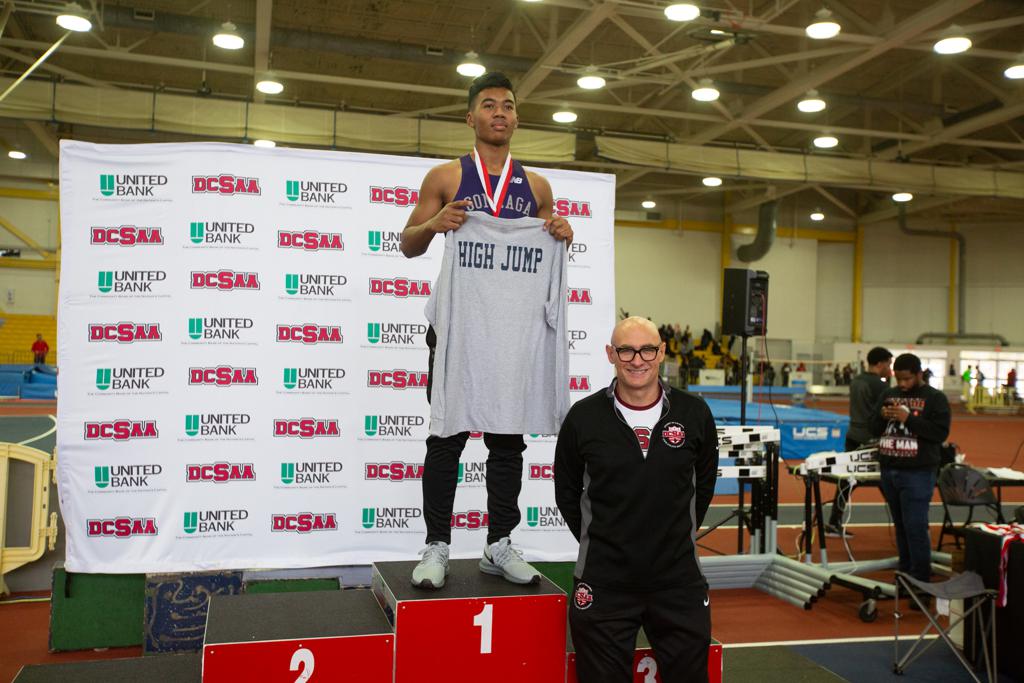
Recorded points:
(636, 518)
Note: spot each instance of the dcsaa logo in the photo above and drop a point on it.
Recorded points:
(126, 236)
(579, 383)
(578, 295)
(395, 196)
(572, 208)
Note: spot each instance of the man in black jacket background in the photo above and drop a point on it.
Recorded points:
(634, 473)
(865, 389)
(912, 420)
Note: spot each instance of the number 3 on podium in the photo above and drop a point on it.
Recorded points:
(485, 620)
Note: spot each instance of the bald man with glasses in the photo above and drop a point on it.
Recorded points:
(635, 471)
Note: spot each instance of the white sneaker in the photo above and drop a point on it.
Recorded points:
(501, 559)
(433, 568)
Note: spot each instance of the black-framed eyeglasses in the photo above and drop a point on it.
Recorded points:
(628, 353)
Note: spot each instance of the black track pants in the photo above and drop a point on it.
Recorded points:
(677, 622)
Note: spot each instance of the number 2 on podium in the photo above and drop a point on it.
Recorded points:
(485, 620)
(305, 658)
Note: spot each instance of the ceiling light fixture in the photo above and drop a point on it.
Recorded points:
(227, 38)
(902, 197)
(16, 154)
(564, 116)
(590, 80)
(826, 141)
(824, 27)
(711, 181)
(811, 103)
(649, 204)
(269, 85)
(1016, 70)
(817, 215)
(952, 42)
(73, 18)
(705, 91)
(471, 66)
(682, 11)
(264, 143)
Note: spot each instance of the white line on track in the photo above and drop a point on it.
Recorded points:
(52, 429)
(826, 641)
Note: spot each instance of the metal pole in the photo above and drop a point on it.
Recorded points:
(34, 66)
(743, 381)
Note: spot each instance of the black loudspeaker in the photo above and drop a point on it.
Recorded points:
(745, 302)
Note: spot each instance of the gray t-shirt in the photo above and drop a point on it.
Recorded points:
(499, 310)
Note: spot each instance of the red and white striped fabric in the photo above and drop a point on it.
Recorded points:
(1011, 533)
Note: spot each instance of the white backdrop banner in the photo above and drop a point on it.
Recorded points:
(243, 359)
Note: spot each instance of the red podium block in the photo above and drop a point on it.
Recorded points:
(645, 667)
(477, 628)
(296, 637)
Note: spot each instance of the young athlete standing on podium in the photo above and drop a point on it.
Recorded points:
(635, 470)
(488, 179)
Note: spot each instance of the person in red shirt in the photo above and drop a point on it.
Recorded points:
(39, 350)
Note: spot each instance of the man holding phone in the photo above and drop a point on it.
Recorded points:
(912, 420)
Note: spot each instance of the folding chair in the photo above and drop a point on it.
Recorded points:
(966, 586)
(963, 486)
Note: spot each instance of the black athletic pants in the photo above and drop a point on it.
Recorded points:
(677, 622)
(844, 492)
(441, 476)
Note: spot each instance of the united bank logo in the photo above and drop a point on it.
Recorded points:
(472, 474)
(576, 339)
(128, 380)
(228, 331)
(125, 477)
(385, 242)
(390, 520)
(217, 426)
(130, 282)
(393, 427)
(214, 522)
(314, 192)
(311, 474)
(578, 252)
(395, 334)
(312, 380)
(314, 286)
(544, 518)
(221, 234)
(133, 187)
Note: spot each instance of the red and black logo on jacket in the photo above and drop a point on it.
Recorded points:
(673, 435)
(583, 596)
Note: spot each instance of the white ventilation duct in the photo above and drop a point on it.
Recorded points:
(814, 168)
